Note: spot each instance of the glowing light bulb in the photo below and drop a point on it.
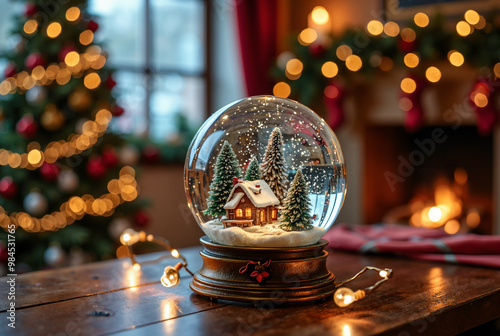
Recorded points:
(408, 85)
(175, 253)
(282, 89)
(421, 19)
(307, 36)
(433, 74)
(463, 28)
(129, 237)
(54, 29)
(435, 214)
(375, 27)
(170, 277)
(72, 14)
(320, 15)
(344, 296)
(383, 274)
(329, 69)
(136, 267)
(472, 17)
(456, 58)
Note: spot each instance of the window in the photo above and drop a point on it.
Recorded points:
(159, 48)
(248, 212)
(262, 216)
(274, 214)
(239, 213)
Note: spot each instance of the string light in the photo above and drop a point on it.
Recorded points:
(294, 67)
(391, 29)
(343, 51)
(433, 74)
(421, 19)
(72, 14)
(471, 16)
(344, 296)
(74, 209)
(481, 24)
(54, 29)
(92, 80)
(329, 69)
(75, 144)
(480, 99)
(282, 89)
(463, 28)
(375, 27)
(408, 85)
(307, 36)
(72, 58)
(320, 15)
(353, 62)
(456, 58)
(408, 35)
(411, 60)
(30, 26)
(86, 37)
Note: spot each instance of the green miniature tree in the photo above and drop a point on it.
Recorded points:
(296, 213)
(273, 166)
(226, 167)
(253, 170)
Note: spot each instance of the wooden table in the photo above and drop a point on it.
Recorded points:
(109, 298)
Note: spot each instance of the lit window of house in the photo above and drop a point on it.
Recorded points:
(239, 213)
(248, 212)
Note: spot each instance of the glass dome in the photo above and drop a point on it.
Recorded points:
(308, 144)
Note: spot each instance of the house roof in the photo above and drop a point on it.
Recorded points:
(261, 197)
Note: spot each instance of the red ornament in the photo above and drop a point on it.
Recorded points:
(34, 60)
(49, 171)
(109, 157)
(151, 154)
(64, 51)
(30, 9)
(481, 100)
(333, 98)
(110, 82)
(141, 219)
(92, 25)
(118, 110)
(415, 112)
(96, 168)
(10, 70)
(27, 127)
(317, 50)
(8, 189)
(407, 47)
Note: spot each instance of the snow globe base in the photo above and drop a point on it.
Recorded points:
(264, 274)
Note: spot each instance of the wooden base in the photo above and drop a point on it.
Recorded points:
(290, 274)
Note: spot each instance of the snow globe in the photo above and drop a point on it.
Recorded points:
(265, 179)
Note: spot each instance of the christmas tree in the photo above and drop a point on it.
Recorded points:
(62, 182)
(226, 167)
(253, 170)
(273, 167)
(297, 208)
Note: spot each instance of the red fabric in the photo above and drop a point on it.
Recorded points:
(418, 243)
(257, 35)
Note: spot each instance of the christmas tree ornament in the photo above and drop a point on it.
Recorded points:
(33, 60)
(52, 119)
(80, 100)
(109, 157)
(92, 26)
(27, 127)
(110, 82)
(54, 255)
(141, 219)
(68, 180)
(129, 155)
(118, 110)
(96, 169)
(4, 255)
(30, 9)
(36, 95)
(334, 98)
(49, 171)
(270, 223)
(412, 88)
(151, 154)
(317, 50)
(10, 70)
(35, 203)
(8, 188)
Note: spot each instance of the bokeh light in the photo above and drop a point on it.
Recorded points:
(433, 74)
(282, 89)
(329, 69)
(353, 62)
(320, 15)
(375, 27)
(307, 36)
(463, 28)
(408, 85)
(472, 17)
(421, 19)
(54, 29)
(456, 58)
(411, 60)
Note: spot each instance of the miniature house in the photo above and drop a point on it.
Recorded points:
(250, 203)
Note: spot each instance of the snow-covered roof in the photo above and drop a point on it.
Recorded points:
(261, 196)
(234, 201)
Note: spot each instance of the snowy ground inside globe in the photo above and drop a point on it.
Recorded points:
(269, 235)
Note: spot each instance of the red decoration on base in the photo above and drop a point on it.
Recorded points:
(259, 272)
(33, 60)
(92, 25)
(27, 127)
(141, 219)
(317, 50)
(151, 154)
(334, 97)
(10, 70)
(482, 101)
(49, 171)
(109, 157)
(8, 189)
(96, 168)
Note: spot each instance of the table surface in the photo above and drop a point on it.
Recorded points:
(109, 298)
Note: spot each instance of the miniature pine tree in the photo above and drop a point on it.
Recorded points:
(296, 213)
(226, 167)
(273, 166)
(253, 170)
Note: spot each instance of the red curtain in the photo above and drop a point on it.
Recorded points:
(257, 30)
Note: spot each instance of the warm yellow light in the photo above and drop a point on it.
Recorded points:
(496, 70)
(460, 176)
(463, 28)
(72, 58)
(34, 157)
(473, 219)
(452, 226)
(343, 51)
(421, 19)
(76, 204)
(481, 24)
(136, 267)
(92, 80)
(433, 74)
(456, 58)
(175, 253)
(391, 29)
(435, 214)
(282, 89)
(408, 85)
(294, 66)
(375, 27)
(54, 29)
(383, 273)
(329, 69)
(411, 60)
(405, 104)
(353, 62)
(30, 26)
(86, 37)
(480, 99)
(320, 15)
(471, 16)
(307, 36)
(344, 296)
(408, 35)
(170, 276)
(38, 72)
(126, 237)
(72, 14)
